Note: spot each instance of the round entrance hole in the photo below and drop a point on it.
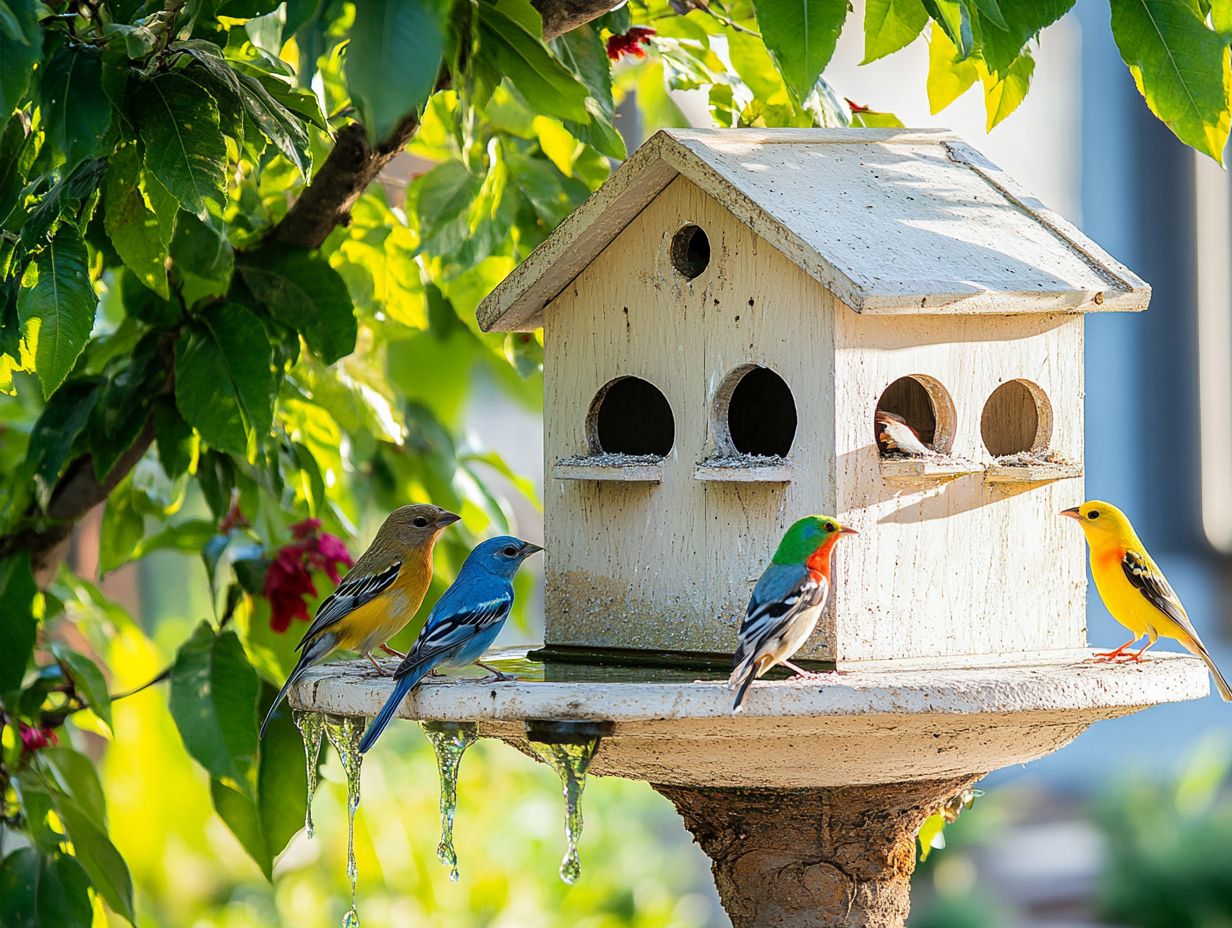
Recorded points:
(690, 251)
(925, 405)
(754, 413)
(630, 416)
(1017, 419)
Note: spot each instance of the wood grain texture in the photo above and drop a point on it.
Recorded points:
(891, 221)
(671, 566)
(960, 566)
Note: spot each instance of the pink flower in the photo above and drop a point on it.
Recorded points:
(288, 579)
(35, 739)
(630, 44)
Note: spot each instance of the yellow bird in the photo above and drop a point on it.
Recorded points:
(378, 596)
(1134, 589)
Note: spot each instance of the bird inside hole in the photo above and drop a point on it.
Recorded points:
(895, 435)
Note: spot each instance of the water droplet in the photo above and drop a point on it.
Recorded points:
(450, 741)
(570, 761)
(344, 733)
(311, 727)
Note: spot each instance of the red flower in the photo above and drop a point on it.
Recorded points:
(630, 43)
(289, 577)
(35, 739)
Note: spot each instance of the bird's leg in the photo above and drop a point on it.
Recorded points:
(392, 653)
(1137, 655)
(801, 673)
(496, 675)
(1118, 654)
(379, 669)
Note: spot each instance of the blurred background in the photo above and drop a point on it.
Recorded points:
(1124, 827)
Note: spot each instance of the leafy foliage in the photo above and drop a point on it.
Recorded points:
(170, 346)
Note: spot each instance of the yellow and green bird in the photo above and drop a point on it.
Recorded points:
(1134, 589)
(786, 602)
(378, 596)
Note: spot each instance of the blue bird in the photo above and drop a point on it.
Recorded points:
(463, 623)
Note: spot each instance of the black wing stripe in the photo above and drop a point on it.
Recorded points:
(1154, 587)
(351, 593)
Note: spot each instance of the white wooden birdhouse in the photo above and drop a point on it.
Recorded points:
(724, 319)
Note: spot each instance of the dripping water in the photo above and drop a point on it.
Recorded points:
(570, 762)
(344, 733)
(311, 727)
(449, 740)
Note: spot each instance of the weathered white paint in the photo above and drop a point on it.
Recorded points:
(1031, 473)
(891, 221)
(843, 729)
(669, 566)
(628, 473)
(960, 566)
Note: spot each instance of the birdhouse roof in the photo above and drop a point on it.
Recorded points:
(889, 220)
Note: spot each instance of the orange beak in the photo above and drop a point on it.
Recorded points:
(1072, 513)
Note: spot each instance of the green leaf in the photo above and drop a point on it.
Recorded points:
(190, 536)
(56, 308)
(54, 435)
(1221, 16)
(932, 835)
(801, 35)
(265, 826)
(17, 592)
(139, 224)
(122, 529)
(1023, 21)
(179, 127)
(19, 55)
(510, 32)
(174, 438)
(214, 694)
(1180, 67)
(954, 17)
(202, 258)
(948, 77)
(89, 681)
(991, 10)
(44, 891)
(122, 409)
(107, 870)
(393, 60)
(223, 384)
(890, 25)
(75, 775)
(74, 104)
(304, 293)
(272, 116)
(1002, 95)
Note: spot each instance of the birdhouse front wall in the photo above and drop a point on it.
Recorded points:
(669, 566)
(963, 566)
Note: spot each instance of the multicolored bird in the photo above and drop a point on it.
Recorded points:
(786, 602)
(378, 596)
(1134, 589)
(463, 623)
(895, 434)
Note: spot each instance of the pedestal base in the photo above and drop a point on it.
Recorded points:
(813, 858)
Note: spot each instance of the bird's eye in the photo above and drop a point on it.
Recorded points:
(1093, 514)
(510, 551)
(829, 526)
(419, 522)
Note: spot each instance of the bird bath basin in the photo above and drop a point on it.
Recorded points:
(808, 801)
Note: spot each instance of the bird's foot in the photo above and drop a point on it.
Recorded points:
(494, 675)
(392, 653)
(379, 669)
(801, 673)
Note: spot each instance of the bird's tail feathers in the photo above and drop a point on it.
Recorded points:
(1221, 684)
(742, 676)
(404, 685)
(313, 654)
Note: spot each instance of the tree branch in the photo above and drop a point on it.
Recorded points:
(353, 164)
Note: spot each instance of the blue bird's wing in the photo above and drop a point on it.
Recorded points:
(781, 594)
(448, 632)
(356, 589)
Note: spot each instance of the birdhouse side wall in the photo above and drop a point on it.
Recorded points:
(962, 566)
(670, 566)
